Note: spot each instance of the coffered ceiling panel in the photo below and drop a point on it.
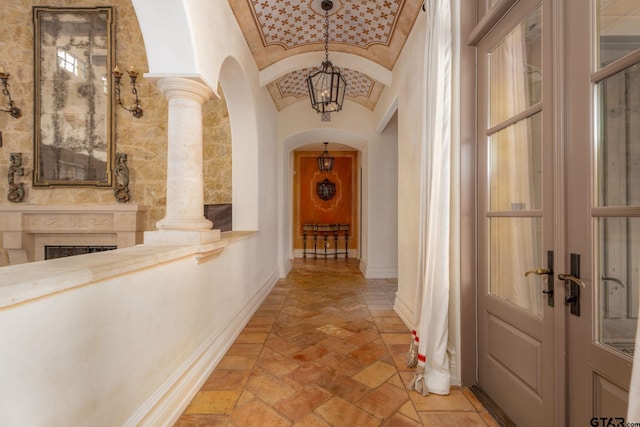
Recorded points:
(279, 29)
(293, 87)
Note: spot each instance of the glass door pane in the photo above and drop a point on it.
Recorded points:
(515, 247)
(619, 278)
(515, 155)
(618, 28)
(515, 70)
(619, 144)
(618, 202)
(515, 166)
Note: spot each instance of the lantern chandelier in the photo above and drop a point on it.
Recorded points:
(327, 85)
(325, 160)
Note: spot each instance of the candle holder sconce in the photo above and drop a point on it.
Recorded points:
(13, 111)
(135, 109)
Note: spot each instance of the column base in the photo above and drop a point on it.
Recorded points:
(186, 224)
(181, 237)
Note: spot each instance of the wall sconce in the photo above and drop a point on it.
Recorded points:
(13, 110)
(121, 190)
(16, 190)
(135, 109)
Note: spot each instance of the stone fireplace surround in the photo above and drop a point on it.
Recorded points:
(27, 229)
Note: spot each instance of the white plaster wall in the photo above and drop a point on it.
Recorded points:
(381, 260)
(127, 348)
(408, 77)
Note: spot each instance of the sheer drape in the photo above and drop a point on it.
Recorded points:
(432, 296)
(513, 177)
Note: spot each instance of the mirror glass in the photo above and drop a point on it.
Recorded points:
(73, 117)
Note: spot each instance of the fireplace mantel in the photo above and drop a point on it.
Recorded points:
(27, 229)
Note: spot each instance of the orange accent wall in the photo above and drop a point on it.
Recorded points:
(309, 208)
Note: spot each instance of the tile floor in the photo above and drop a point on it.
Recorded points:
(325, 349)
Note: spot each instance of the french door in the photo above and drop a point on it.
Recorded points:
(515, 217)
(602, 174)
(559, 209)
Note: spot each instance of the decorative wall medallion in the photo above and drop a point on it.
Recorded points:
(326, 189)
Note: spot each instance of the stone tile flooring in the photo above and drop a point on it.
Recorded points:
(325, 349)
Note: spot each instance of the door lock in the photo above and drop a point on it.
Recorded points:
(573, 279)
(546, 272)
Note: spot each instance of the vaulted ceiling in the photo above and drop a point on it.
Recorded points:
(284, 30)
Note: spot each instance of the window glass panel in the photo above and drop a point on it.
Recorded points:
(515, 248)
(515, 174)
(619, 139)
(618, 282)
(618, 29)
(515, 70)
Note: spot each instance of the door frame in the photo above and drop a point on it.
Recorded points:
(476, 27)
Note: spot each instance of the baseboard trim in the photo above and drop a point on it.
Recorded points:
(168, 402)
(380, 273)
(284, 269)
(404, 311)
(497, 413)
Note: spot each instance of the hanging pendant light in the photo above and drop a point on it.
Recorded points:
(327, 86)
(325, 160)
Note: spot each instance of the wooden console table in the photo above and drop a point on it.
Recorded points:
(324, 233)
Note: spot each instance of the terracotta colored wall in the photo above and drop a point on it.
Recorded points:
(309, 208)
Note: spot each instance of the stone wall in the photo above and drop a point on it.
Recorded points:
(144, 140)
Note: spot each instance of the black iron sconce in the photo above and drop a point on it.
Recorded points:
(16, 190)
(13, 110)
(135, 109)
(121, 170)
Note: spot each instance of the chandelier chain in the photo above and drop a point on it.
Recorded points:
(326, 35)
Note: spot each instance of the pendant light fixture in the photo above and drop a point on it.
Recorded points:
(327, 86)
(325, 160)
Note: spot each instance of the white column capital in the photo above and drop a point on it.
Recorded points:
(181, 87)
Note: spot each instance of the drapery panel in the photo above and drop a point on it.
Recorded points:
(432, 290)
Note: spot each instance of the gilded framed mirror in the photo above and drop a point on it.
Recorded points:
(74, 123)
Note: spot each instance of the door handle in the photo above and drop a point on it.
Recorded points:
(573, 279)
(539, 272)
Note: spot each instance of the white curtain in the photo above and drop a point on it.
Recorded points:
(432, 296)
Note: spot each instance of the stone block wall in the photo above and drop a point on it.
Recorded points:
(144, 140)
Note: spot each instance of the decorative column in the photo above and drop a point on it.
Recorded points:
(184, 222)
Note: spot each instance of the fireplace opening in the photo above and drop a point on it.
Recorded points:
(52, 252)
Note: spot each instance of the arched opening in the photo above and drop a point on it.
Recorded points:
(326, 204)
(244, 143)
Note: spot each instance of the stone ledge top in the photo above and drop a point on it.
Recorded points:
(24, 282)
(119, 207)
